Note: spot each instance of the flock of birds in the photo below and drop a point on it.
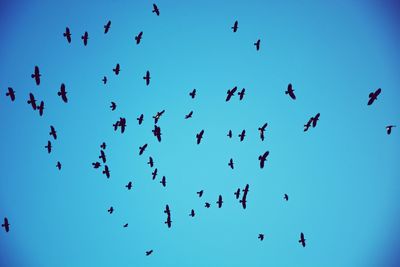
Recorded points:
(121, 125)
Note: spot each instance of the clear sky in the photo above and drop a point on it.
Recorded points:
(342, 177)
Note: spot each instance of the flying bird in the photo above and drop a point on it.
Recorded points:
(188, 116)
(11, 93)
(244, 197)
(53, 132)
(158, 116)
(207, 205)
(230, 164)
(110, 210)
(168, 212)
(148, 253)
(85, 38)
(237, 193)
(62, 93)
(302, 240)
(6, 225)
(107, 27)
(230, 93)
(156, 10)
(140, 119)
(58, 165)
(262, 130)
(241, 93)
(257, 44)
(200, 193)
(229, 134)
(163, 181)
(36, 75)
(125, 225)
(32, 101)
(235, 26)
(154, 173)
(199, 136)
(192, 214)
(48, 147)
(129, 185)
(261, 237)
(103, 145)
(157, 132)
(193, 93)
(106, 171)
(374, 96)
(389, 129)
(219, 202)
(142, 149)
(242, 135)
(262, 158)
(104, 79)
(315, 120)
(138, 38)
(96, 164)
(290, 91)
(40, 108)
(67, 34)
(147, 77)
(113, 106)
(151, 162)
(286, 197)
(102, 156)
(117, 69)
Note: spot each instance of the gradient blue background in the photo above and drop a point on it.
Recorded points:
(342, 177)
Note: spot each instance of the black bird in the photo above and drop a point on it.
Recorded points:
(142, 149)
(110, 210)
(157, 132)
(168, 212)
(290, 91)
(315, 120)
(147, 78)
(40, 108)
(262, 130)
(302, 240)
(104, 79)
(192, 214)
(53, 132)
(286, 197)
(32, 101)
(102, 156)
(58, 165)
(106, 171)
(149, 252)
(85, 38)
(120, 123)
(138, 37)
(158, 116)
(151, 162)
(140, 119)
(207, 205)
(389, 129)
(308, 124)
(113, 106)
(117, 69)
(193, 93)
(96, 164)
(199, 136)
(154, 173)
(373, 96)
(200, 193)
(188, 116)
(242, 135)
(11, 94)
(230, 164)
(6, 225)
(261, 237)
(63, 93)
(237, 193)
(107, 27)
(244, 197)
(67, 34)
(36, 75)
(126, 225)
(103, 145)
(219, 202)
(156, 10)
(230, 93)
(129, 186)
(235, 26)
(241, 93)
(229, 134)
(257, 44)
(48, 147)
(262, 158)
(163, 181)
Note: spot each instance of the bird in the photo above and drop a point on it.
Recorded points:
(129, 185)
(308, 124)
(53, 132)
(230, 93)
(257, 44)
(286, 197)
(374, 96)
(262, 130)
(315, 120)
(113, 106)
(85, 38)
(302, 240)
(117, 69)
(104, 79)
(67, 34)
(142, 149)
(188, 116)
(229, 134)
(58, 165)
(154, 173)
(110, 210)
(103, 145)
(107, 27)
(157, 132)
(6, 225)
(200, 193)
(32, 101)
(147, 77)
(242, 135)
(96, 165)
(62, 93)
(230, 164)
(261, 237)
(262, 158)
(148, 253)
(138, 38)
(48, 147)
(192, 214)
(199, 136)
(11, 94)
(158, 116)
(389, 129)
(151, 162)
(241, 93)
(219, 202)
(125, 225)
(156, 10)
(235, 26)
(36, 75)
(207, 205)
(140, 119)
(103, 156)
(290, 91)
(237, 193)
(40, 108)
(106, 171)
(193, 93)
(163, 181)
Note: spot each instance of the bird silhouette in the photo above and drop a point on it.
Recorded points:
(389, 129)
(156, 10)
(235, 26)
(374, 96)
(67, 34)
(257, 44)
(107, 27)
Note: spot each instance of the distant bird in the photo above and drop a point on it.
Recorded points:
(67, 34)
(374, 96)
(96, 164)
(110, 210)
(53, 132)
(389, 129)
(199, 136)
(126, 225)
(120, 123)
(117, 69)
(58, 165)
(192, 214)
(286, 197)
(229, 134)
(242, 135)
(230, 93)
(151, 162)
(188, 116)
(241, 93)
(230, 164)
(315, 120)
(36, 75)
(6, 225)
(85, 38)
(219, 202)
(261, 237)
(103, 145)
(168, 212)
(149, 252)
(200, 193)
(104, 80)
(262, 158)
(106, 171)
(308, 124)
(147, 77)
(156, 10)
(107, 27)
(235, 26)
(138, 38)
(262, 130)
(140, 119)
(163, 181)
(129, 185)
(11, 94)
(257, 44)
(244, 197)
(113, 106)
(193, 93)
(237, 193)
(302, 240)
(290, 91)
(142, 149)
(32, 101)
(154, 174)
(62, 93)
(48, 147)
(40, 108)
(207, 205)
(158, 116)
(103, 156)
(157, 132)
